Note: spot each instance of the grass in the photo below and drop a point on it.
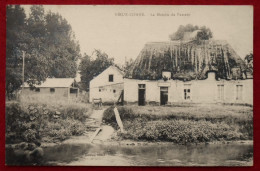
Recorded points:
(185, 123)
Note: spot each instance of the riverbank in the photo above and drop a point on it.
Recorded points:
(190, 123)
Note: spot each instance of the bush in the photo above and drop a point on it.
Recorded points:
(180, 131)
(183, 125)
(34, 122)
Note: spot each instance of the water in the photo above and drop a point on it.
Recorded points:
(149, 155)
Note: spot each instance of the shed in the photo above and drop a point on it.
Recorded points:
(54, 87)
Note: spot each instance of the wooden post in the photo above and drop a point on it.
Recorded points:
(23, 70)
(118, 120)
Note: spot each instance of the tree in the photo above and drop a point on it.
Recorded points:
(89, 68)
(63, 50)
(15, 37)
(204, 34)
(128, 67)
(249, 62)
(37, 61)
(48, 42)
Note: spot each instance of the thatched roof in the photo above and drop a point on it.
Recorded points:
(186, 60)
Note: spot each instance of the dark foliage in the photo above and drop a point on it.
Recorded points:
(89, 68)
(35, 123)
(47, 41)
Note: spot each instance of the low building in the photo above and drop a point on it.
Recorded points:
(59, 88)
(108, 85)
(210, 90)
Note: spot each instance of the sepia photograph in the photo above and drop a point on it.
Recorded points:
(129, 85)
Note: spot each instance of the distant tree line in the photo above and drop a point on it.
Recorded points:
(47, 41)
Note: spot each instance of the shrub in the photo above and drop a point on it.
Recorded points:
(32, 122)
(184, 125)
(180, 131)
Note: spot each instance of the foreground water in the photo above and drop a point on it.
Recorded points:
(149, 155)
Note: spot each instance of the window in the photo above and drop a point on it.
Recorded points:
(114, 91)
(52, 90)
(37, 90)
(73, 90)
(239, 92)
(220, 92)
(111, 78)
(187, 92)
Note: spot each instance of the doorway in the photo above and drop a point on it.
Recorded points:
(141, 94)
(164, 95)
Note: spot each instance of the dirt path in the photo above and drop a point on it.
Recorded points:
(93, 123)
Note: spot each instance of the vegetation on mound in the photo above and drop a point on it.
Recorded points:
(31, 122)
(184, 124)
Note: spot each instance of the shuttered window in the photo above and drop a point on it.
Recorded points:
(220, 92)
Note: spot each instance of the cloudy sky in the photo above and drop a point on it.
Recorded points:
(101, 27)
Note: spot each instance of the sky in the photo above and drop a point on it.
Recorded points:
(122, 31)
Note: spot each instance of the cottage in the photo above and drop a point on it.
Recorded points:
(210, 90)
(60, 88)
(204, 71)
(107, 86)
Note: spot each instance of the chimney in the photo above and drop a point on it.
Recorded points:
(166, 75)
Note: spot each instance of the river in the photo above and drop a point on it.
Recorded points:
(149, 155)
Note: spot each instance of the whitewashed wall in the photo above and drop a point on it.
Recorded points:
(202, 91)
(101, 82)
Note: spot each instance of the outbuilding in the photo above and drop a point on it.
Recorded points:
(58, 88)
(107, 86)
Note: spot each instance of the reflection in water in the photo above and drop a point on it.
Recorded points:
(150, 155)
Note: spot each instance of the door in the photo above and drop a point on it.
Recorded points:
(141, 94)
(164, 95)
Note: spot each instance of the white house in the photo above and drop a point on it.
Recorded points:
(108, 85)
(210, 90)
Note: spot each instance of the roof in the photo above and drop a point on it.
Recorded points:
(117, 68)
(185, 59)
(55, 82)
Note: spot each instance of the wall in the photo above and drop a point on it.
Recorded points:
(61, 92)
(100, 87)
(109, 93)
(202, 91)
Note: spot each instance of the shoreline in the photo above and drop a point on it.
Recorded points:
(142, 143)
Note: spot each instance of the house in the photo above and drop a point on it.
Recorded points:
(205, 71)
(108, 85)
(53, 87)
(210, 90)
